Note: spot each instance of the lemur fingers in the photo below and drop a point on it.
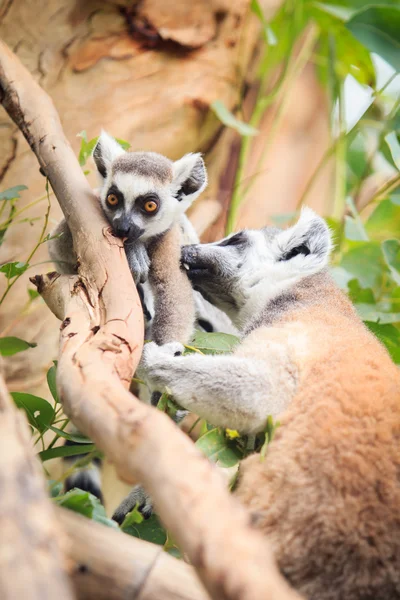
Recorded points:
(137, 497)
(138, 260)
(154, 355)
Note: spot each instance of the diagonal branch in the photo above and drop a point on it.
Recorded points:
(100, 346)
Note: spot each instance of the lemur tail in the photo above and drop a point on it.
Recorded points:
(87, 478)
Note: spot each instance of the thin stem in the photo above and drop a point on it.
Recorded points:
(18, 212)
(290, 72)
(41, 238)
(293, 73)
(339, 203)
(328, 153)
(57, 436)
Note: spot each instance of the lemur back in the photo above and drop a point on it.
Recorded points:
(327, 494)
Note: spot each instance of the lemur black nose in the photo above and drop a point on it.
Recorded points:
(128, 230)
(122, 232)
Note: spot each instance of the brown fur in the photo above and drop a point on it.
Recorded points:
(328, 493)
(172, 290)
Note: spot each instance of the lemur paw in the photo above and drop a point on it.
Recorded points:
(153, 354)
(138, 497)
(154, 363)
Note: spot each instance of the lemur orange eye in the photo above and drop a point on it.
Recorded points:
(150, 206)
(112, 200)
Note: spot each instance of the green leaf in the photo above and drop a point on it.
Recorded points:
(63, 451)
(228, 119)
(12, 345)
(389, 335)
(85, 504)
(354, 229)
(55, 487)
(269, 432)
(214, 343)
(125, 145)
(33, 294)
(378, 28)
(257, 10)
(40, 413)
(376, 313)
(87, 147)
(391, 252)
(351, 57)
(51, 382)
(384, 223)
(132, 518)
(358, 294)
(391, 150)
(218, 448)
(13, 269)
(357, 157)
(168, 405)
(150, 530)
(78, 439)
(364, 261)
(12, 193)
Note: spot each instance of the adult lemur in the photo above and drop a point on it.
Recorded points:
(328, 493)
(144, 196)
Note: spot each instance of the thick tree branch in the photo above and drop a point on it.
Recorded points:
(31, 561)
(109, 565)
(101, 341)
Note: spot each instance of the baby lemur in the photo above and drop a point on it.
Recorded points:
(144, 196)
(328, 493)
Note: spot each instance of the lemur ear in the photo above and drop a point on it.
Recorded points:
(309, 239)
(105, 152)
(189, 178)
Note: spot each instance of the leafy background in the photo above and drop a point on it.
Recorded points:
(353, 45)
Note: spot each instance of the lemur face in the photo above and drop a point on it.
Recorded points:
(246, 269)
(144, 193)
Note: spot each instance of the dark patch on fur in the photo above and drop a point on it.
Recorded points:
(238, 239)
(206, 325)
(302, 249)
(194, 181)
(146, 312)
(98, 159)
(155, 398)
(85, 482)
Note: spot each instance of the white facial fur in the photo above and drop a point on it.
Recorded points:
(241, 278)
(137, 175)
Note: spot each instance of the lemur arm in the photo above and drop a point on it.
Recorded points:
(231, 391)
(61, 249)
(174, 309)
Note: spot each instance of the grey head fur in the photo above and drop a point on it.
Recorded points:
(246, 271)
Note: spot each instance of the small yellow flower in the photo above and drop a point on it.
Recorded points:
(232, 433)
